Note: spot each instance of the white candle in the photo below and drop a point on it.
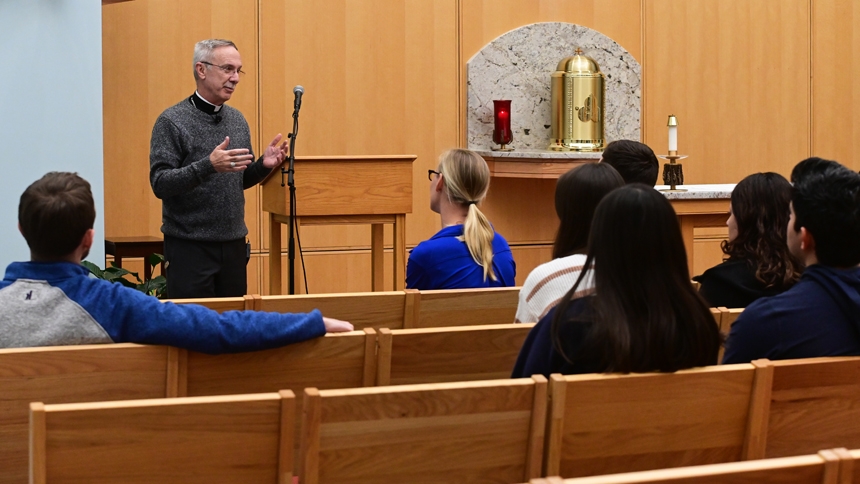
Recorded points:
(673, 133)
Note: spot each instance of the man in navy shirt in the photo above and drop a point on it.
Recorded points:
(820, 315)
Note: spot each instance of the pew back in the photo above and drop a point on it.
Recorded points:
(363, 310)
(435, 355)
(225, 439)
(220, 304)
(337, 360)
(602, 424)
(489, 431)
(729, 316)
(815, 403)
(822, 468)
(72, 374)
(465, 307)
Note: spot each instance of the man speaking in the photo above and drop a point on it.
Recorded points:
(200, 161)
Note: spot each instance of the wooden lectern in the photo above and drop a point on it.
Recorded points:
(347, 190)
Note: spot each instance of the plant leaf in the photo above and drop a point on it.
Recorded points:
(154, 259)
(94, 269)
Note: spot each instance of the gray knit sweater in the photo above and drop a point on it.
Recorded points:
(197, 202)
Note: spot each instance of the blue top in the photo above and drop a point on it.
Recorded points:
(130, 316)
(819, 316)
(444, 262)
(539, 356)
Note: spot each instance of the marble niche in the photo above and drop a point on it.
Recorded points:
(517, 66)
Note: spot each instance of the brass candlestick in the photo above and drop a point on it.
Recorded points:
(673, 172)
(501, 148)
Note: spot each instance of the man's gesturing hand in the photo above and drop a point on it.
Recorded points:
(274, 154)
(224, 160)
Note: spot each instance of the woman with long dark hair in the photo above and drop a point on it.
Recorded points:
(644, 315)
(757, 260)
(577, 194)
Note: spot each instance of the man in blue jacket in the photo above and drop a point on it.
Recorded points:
(51, 300)
(820, 315)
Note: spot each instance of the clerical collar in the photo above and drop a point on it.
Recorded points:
(203, 104)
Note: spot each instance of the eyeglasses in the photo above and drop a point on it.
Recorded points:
(227, 68)
(430, 174)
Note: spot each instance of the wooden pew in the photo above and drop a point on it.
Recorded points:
(728, 318)
(602, 424)
(826, 467)
(220, 304)
(224, 439)
(435, 355)
(464, 307)
(363, 309)
(394, 309)
(337, 360)
(813, 403)
(489, 431)
(73, 374)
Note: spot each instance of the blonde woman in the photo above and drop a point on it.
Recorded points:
(467, 252)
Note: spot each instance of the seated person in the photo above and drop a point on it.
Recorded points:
(51, 300)
(820, 315)
(467, 252)
(644, 314)
(810, 165)
(635, 161)
(577, 194)
(757, 262)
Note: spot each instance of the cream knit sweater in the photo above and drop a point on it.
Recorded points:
(546, 285)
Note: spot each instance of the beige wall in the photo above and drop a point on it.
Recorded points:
(757, 85)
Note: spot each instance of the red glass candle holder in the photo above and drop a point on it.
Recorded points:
(502, 134)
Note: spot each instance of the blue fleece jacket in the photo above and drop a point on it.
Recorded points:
(819, 316)
(57, 303)
(444, 262)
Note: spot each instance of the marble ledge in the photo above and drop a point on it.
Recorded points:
(700, 192)
(541, 155)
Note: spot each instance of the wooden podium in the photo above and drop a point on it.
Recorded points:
(349, 190)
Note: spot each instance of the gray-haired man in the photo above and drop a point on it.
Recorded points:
(200, 162)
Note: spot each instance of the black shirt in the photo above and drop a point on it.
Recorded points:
(733, 284)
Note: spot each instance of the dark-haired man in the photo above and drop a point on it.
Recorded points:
(51, 300)
(820, 315)
(635, 161)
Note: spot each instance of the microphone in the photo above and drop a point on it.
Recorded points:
(298, 91)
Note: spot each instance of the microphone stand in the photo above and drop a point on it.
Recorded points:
(291, 241)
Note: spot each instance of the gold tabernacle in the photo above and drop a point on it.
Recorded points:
(578, 110)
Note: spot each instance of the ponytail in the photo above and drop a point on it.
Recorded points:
(467, 178)
(478, 235)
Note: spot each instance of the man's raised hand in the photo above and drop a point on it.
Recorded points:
(274, 154)
(225, 161)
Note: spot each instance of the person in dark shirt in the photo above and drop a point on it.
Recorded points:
(758, 262)
(634, 161)
(820, 315)
(644, 315)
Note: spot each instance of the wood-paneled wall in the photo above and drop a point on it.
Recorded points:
(757, 85)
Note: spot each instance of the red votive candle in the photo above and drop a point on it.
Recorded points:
(502, 134)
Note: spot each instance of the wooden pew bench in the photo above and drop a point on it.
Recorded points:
(827, 467)
(224, 439)
(602, 424)
(65, 374)
(435, 355)
(394, 309)
(489, 431)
